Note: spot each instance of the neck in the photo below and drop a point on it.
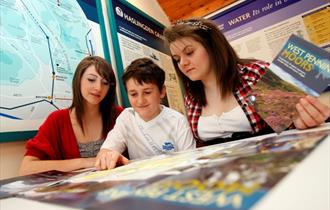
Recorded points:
(211, 87)
(91, 111)
(210, 81)
(154, 115)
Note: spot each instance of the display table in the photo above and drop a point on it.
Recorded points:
(304, 187)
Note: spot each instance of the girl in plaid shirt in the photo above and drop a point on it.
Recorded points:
(218, 85)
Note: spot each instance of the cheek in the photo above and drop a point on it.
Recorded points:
(131, 100)
(82, 88)
(84, 85)
(106, 89)
(203, 56)
(203, 60)
(155, 99)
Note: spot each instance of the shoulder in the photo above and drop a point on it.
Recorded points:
(172, 113)
(58, 118)
(189, 101)
(174, 119)
(59, 114)
(126, 113)
(253, 67)
(253, 70)
(118, 109)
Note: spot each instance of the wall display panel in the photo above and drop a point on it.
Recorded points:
(41, 44)
(136, 35)
(258, 29)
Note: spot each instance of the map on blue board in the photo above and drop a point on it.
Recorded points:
(41, 44)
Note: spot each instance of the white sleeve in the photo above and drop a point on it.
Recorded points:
(185, 139)
(115, 139)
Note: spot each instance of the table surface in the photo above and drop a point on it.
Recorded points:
(304, 188)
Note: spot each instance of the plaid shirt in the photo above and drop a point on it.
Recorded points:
(250, 74)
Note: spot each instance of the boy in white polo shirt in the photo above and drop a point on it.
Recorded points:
(147, 128)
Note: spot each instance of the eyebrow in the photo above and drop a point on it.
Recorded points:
(91, 74)
(189, 45)
(144, 89)
(148, 88)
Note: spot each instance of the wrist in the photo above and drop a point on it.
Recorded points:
(87, 162)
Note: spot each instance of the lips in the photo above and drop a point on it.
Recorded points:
(189, 70)
(96, 95)
(142, 107)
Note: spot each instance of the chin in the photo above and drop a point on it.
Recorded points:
(94, 102)
(193, 79)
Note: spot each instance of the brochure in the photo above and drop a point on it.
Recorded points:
(299, 69)
(234, 175)
(237, 184)
(238, 180)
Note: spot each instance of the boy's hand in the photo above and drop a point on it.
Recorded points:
(311, 113)
(108, 159)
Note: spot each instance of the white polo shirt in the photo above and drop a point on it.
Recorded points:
(167, 132)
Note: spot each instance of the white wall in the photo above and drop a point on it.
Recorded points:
(11, 154)
(153, 9)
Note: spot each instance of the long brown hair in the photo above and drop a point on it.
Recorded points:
(223, 58)
(107, 106)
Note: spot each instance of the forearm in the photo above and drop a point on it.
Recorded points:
(31, 165)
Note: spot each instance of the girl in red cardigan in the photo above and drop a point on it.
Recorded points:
(69, 139)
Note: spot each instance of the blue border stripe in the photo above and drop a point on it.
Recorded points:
(16, 136)
(103, 31)
(10, 116)
(116, 49)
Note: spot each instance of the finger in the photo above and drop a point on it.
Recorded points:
(105, 160)
(102, 162)
(299, 124)
(97, 163)
(113, 161)
(323, 108)
(306, 112)
(123, 160)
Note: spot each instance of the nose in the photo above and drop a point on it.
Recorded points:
(184, 61)
(98, 85)
(141, 100)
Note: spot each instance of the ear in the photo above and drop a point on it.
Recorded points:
(163, 92)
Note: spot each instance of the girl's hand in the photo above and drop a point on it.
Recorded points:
(311, 113)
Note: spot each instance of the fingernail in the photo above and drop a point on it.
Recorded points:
(310, 97)
(301, 100)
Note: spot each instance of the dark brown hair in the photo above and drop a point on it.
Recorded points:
(222, 56)
(144, 70)
(107, 106)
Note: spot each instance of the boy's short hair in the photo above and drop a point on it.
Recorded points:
(144, 70)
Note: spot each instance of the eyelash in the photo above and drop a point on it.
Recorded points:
(93, 80)
(135, 94)
(187, 53)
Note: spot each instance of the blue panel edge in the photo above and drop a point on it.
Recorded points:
(16, 136)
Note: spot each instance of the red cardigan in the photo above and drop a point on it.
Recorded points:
(55, 139)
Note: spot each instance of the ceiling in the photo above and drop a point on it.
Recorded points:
(183, 9)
